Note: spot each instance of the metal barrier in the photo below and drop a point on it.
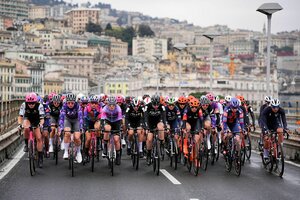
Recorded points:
(9, 113)
(9, 142)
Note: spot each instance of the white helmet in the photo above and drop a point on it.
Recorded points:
(275, 102)
(228, 98)
(79, 96)
(147, 100)
(268, 99)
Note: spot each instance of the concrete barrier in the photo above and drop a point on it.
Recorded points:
(9, 142)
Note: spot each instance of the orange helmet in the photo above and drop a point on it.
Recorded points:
(190, 98)
(241, 98)
(182, 100)
(194, 103)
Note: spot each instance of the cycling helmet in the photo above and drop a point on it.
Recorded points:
(171, 100)
(31, 98)
(204, 100)
(268, 99)
(234, 102)
(216, 99)
(128, 99)
(275, 102)
(136, 102)
(195, 103)
(46, 98)
(70, 97)
(111, 100)
(222, 101)
(190, 98)
(51, 95)
(120, 99)
(210, 96)
(84, 99)
(247, 102)
(79, 96)
(147, 100)
(56, 98)
(228, 98)
(94, 99)
(145, 96)
(241, 98)
(155, 99)
(162, 100)
(182, 100)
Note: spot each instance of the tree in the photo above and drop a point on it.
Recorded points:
(108, 27)
(93, 28)
(145, 30)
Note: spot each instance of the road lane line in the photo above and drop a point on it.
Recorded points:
(194, 199)
(9, 165)
(170, 177)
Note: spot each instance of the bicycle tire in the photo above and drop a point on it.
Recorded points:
(111, 161)
(238, 163)
(158, 147)
(279, 169)
(189, 161)
(175, 155)
(31, 159)
(218, 148)
(243, 152)
(248, 147)
(72, 159)
(269, 165)
(196, 161)
(137, 156)
(92, 154)
(205, 157)
(56, 150)
(212, 151)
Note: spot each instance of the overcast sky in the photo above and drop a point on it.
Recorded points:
(234, 13)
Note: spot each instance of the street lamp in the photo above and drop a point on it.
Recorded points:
(157, 58)
(180, 47)
(211, 39)
(268, 9)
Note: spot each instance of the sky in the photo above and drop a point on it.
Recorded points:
(236, 14)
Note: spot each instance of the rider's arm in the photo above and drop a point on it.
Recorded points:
(264, 118)
(80, 118)
(21, 113)
(62, 118)
(146, 117)
(163, 115)
(127, 117)
(225, 114)
(283, 118)
(42, 114)
(252, 115)
(241, 119)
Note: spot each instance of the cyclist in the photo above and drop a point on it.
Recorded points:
(55, 107)
(268, 100)
(273, 119)
(71, 121)
(250, 111)
(233, 122)
(121, 102)
(182, 105)
(92, 117)
(47, 124)
(155, 118)
(134, 118)
(192, 123)
(32, 115)
(84, 100)
(111, 118)
(227, 101)
(209, 119)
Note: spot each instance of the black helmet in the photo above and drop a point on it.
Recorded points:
(155, 99)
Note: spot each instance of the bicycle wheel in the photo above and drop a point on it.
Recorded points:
(196, 161)
(279, 161)
(158, 147)
(92, 149)
(111, 164)
(217, 148)
(248, 147)
(204, 156)
(56, 150)
(161, 150)
(269, 164)
(31, 158)
(133, 155)
(243, 152)
(237, 162)
(212, 151)
(137, 156)
(175, 154)
(72, 158)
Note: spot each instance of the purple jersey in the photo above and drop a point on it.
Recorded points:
(111, 115)
(70, 113)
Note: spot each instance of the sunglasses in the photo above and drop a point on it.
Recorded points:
(182, 104)
(275, 107)
(94, 102)
(194, 107)
(171, 105)
(70, 102)
(205, 105)
(31, 104)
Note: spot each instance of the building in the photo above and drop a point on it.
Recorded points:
(203, 50)
(5, 22)
(297, 48)
(22, 85)
(116, 85)
(47, 39)
(5, 36)
(118, 48)
(69, 42)
(58, 11)
(31, 27)
(279, 41)
(53, 85)
(75, 83)
(149, 47)
(7, 81)
(16, 9)
(38, 12)
(242, 47)
(36, 70)
(78, 18)
(24, 56)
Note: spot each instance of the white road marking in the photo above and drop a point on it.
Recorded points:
(170, 177)
(9, 165)
(194, 199)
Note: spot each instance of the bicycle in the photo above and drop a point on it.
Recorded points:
(173, 150)
(233, 156)
(32, 150)
(275, 160)
(245, 145)
(56, 146)
(111, 151)
(93, 150)
(215, 148)
(135, 149)
(72, 155)
(156, 152)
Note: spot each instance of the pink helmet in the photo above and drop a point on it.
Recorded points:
(51, 95)
(31, 98)
(210, 96)
(120, 99)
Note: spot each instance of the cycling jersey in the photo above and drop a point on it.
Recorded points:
(208, 114)
(91, 115)
(134, 118)
(154, 116)
(271, 120)
(195, 119)
(260, 114)
(173, 117)
(233, 120)
(47, 122)
(111, 115)
(33, 115)
(70, 117)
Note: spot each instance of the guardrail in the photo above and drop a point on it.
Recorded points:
(9, 111)
(9, 142)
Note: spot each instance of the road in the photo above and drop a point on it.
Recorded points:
(55, 182)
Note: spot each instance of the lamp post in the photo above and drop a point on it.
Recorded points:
(268, 9)
(211, 39)
(180, 47)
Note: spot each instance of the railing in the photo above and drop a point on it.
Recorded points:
(9, 111)
(9, 142)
